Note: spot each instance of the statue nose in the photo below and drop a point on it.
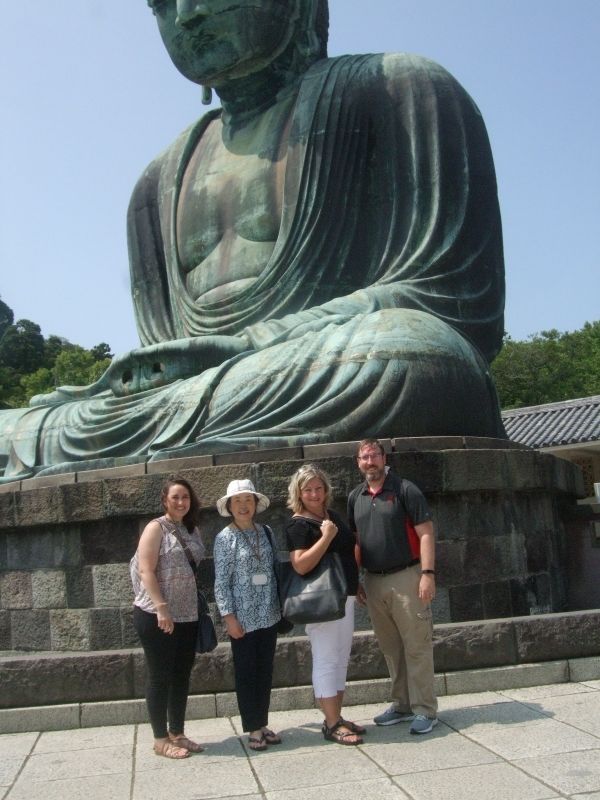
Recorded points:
(189, 10)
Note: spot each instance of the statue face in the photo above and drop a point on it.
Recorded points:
(214, 41)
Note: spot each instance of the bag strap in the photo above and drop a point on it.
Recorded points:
(185, 549)
(270, 537)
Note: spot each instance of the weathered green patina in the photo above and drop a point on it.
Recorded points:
(320, 260)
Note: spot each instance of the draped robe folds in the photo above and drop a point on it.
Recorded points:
(377, 314)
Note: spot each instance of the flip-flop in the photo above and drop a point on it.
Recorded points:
(257, 743)
(270, 737)
(187, 744)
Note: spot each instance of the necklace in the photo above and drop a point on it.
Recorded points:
(254, 545)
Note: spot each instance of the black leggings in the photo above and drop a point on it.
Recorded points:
(169, 662)
(253, 666)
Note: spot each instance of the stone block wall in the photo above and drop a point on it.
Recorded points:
(501, 515)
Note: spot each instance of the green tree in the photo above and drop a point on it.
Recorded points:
(22, 346)
(39, 382)
(72, 367)
(548, 367)
(101, 352)
(10, 389)
(53, 347)
(6, 317)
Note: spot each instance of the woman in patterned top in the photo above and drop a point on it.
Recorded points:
(165, 614)
(246, 596)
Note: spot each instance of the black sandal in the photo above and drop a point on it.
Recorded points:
(257, 743)
(334, 734)
(270, 737)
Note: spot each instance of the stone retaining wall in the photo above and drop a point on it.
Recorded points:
(51, 678)
(501, 514)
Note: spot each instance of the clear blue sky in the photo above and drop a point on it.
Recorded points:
(89, 97)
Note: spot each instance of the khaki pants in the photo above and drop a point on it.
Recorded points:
(404, 630)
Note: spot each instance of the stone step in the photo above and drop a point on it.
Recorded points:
(51, 678)
(223, 704)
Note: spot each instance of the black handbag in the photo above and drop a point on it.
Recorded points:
(284, 625)
(206, 638)
(318, 596)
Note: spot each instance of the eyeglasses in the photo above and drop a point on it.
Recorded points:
(371, 455)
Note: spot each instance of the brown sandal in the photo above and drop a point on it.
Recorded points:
(354, 726)
(181, 740)
(168, 749)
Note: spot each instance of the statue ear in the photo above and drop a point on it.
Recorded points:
(307, 41)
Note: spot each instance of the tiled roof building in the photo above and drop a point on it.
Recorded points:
(568, 422)
(569, 429)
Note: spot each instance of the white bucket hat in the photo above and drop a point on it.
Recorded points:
(241, 487)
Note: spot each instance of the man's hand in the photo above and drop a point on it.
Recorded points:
(427, 588)
(361, 595)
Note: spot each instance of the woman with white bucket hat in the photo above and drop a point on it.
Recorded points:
(247, 599)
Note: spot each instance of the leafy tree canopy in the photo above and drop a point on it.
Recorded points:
(31, 364)
(548, 367)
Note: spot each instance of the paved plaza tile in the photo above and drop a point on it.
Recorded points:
(539, 743)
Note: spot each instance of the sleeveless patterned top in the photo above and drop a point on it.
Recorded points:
(173, 572)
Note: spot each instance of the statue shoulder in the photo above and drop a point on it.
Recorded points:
(167, 162)
(389, 72)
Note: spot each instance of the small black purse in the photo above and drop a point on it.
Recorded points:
(206, 640)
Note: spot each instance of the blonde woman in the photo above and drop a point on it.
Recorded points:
(314, 530)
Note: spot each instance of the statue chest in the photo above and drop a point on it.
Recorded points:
(228, 217)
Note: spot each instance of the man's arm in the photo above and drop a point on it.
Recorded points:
(427, 541)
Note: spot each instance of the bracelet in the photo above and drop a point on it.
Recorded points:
(427, 572)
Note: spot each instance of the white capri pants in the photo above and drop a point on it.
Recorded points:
(330, 644)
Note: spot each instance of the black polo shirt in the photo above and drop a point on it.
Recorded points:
(384, 522)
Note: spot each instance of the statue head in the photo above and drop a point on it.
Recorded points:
(215, 42)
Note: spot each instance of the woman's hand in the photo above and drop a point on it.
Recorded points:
(328, 530)
(164, 618)
(234, 629)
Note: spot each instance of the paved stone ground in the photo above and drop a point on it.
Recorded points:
(538, 743)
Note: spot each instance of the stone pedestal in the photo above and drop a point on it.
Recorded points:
(501, 514)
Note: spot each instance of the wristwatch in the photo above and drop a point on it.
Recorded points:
(427, 572)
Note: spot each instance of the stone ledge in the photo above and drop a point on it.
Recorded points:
(132, 491)
(131, 712)
(29, 679)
